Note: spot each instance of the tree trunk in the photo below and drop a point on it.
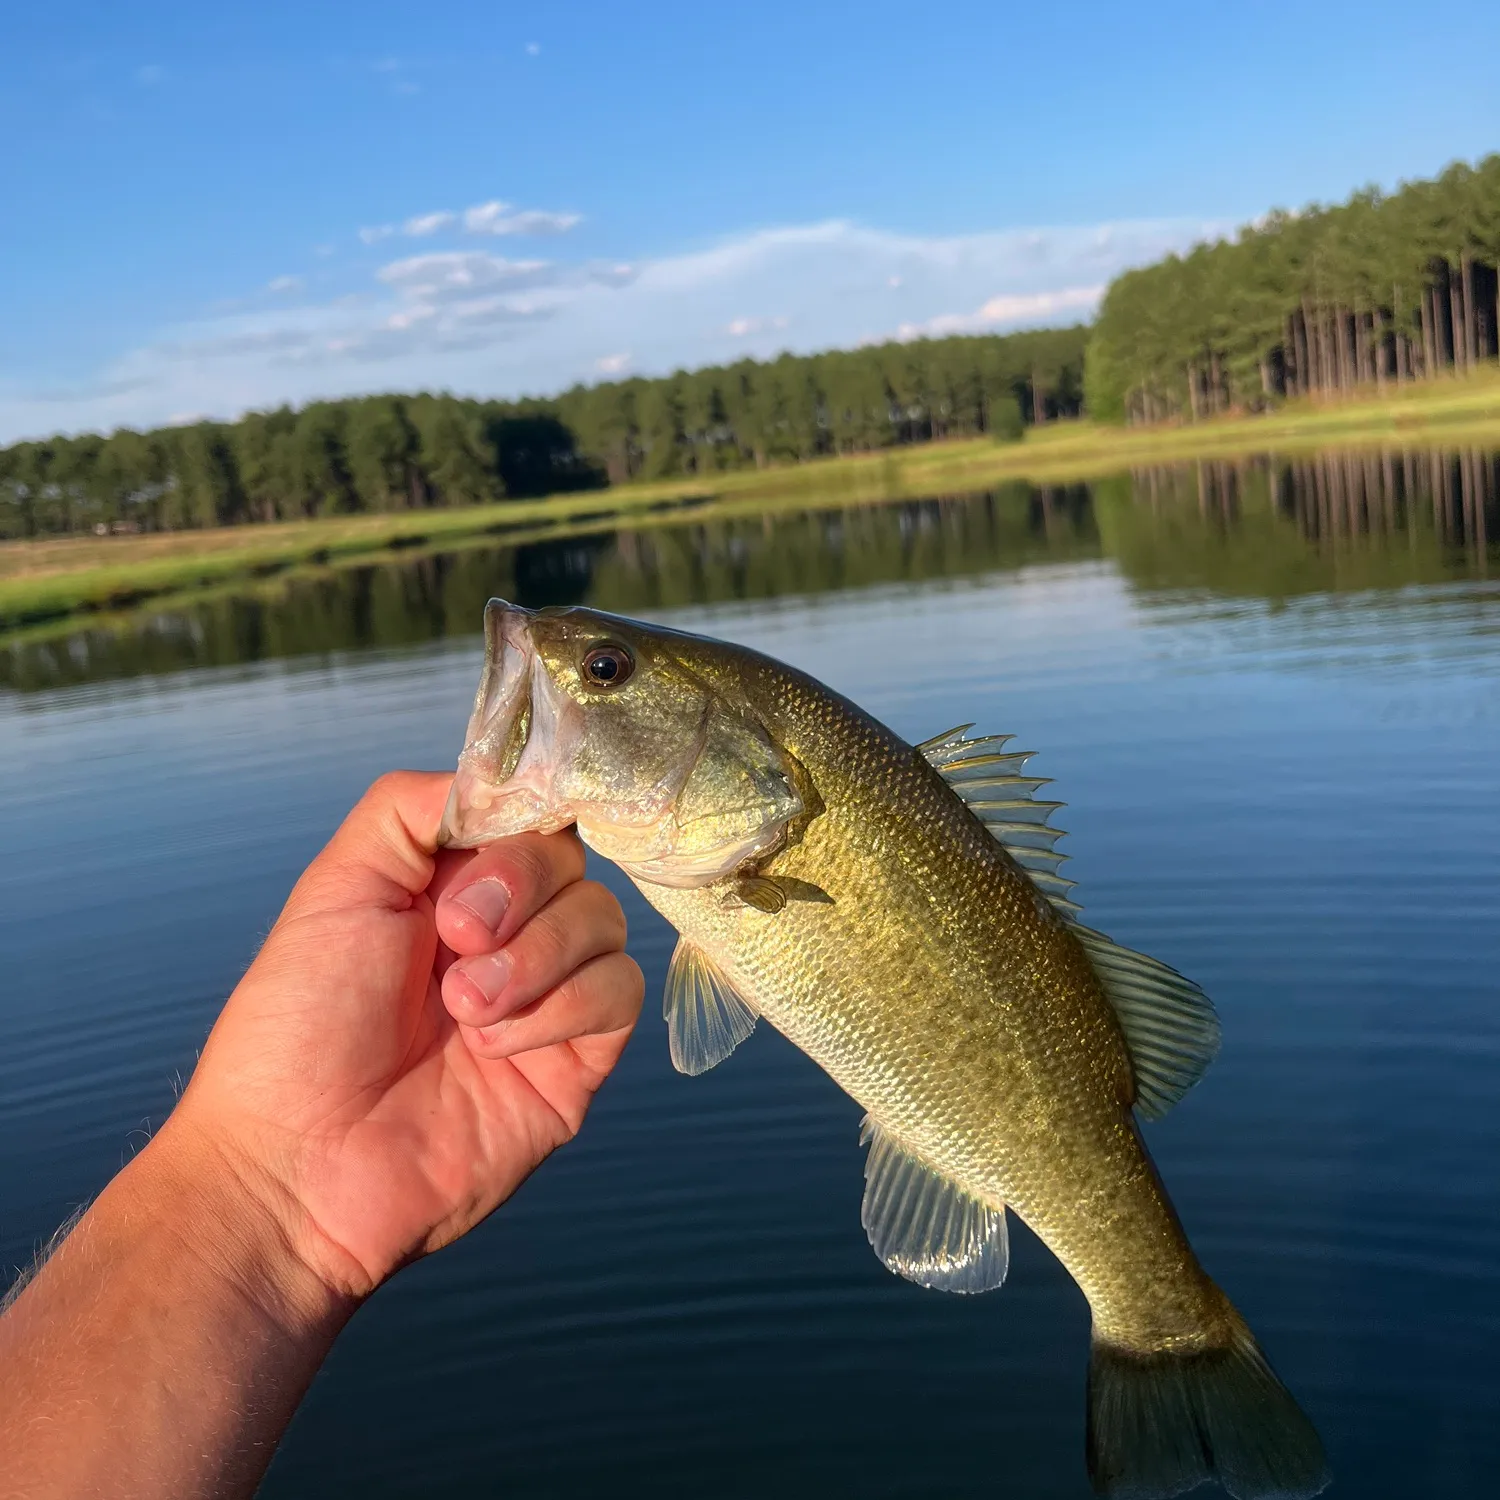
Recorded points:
(1428, 313)
(1399, 332)
(1038, 410)
(1447, 323)
(1471, 328)
(1192, 375)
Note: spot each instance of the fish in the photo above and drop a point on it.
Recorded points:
(898, 913)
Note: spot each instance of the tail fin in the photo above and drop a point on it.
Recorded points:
(1161, 1423)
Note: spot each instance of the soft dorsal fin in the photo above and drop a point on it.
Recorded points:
(707, 1018)
(1170, 1026)
(924, 1226)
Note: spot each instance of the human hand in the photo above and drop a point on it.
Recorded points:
(417, 1034)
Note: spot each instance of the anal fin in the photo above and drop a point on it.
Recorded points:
(924, 1226)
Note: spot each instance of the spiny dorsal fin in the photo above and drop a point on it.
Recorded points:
(990, 782)
(924, 1226)
(1170, 1026)
(706, 1016)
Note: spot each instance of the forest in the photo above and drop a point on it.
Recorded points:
(392, 453)
(1375, 292)
(1382, 289)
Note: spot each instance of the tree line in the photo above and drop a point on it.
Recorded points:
(1341, 522)
(393, 453)
(1382, 289)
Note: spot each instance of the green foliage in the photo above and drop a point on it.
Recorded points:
(399, 453)
(1379, 289)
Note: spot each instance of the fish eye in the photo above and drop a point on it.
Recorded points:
(607, 665)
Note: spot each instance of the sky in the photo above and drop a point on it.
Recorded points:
(206, 209)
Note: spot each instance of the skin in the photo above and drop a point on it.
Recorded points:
(400, 1056)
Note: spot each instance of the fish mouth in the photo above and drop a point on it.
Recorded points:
(505, 783)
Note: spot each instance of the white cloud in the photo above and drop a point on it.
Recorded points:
(424, 224)
(533, 49)
(284, 284)
(1007, 310)
(499, 218)
(471, 321)
(492, 218)
(739, 328)
(449, 274)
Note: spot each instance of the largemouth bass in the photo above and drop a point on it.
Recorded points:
(898, 913)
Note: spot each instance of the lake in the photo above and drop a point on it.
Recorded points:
(1270, 696)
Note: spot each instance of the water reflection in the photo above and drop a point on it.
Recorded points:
(1269, 529)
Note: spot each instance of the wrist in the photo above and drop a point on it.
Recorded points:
(234, 1223)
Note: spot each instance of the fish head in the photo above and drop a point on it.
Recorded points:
(639, 735)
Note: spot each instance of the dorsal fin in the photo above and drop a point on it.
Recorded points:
(988, 778)
(1170, 1026)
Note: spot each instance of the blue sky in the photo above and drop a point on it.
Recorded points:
(209, 208)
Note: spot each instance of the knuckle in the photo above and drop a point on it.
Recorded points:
(527, 869)
(604, 912)
(543, 954)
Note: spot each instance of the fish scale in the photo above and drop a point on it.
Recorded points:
(941, 995)
(896, 913)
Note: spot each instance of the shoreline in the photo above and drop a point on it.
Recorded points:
(47, 580)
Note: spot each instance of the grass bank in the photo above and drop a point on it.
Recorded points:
(51, 579)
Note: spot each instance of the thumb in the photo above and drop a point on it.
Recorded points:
(382, 853)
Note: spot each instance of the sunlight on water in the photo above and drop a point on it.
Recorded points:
(1290, 794)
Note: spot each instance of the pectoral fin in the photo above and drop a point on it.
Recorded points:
(925, 1227)
(761, 892)
(706, 1017)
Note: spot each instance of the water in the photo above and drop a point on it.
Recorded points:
(1274, 723)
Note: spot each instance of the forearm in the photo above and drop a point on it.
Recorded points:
(162, 1349)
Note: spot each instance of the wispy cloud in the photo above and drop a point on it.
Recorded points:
(499, 218)
(739, 328)
(492, 218)
(467, 319)
(284, 284)
(1005, 311)
(424, 224)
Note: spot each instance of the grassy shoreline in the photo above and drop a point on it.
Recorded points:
(53, 578)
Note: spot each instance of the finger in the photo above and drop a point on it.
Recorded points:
(600, 999)
(382, 853)
(501, 887)
(580, 923)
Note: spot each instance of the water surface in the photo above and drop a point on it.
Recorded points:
(1274, 725)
